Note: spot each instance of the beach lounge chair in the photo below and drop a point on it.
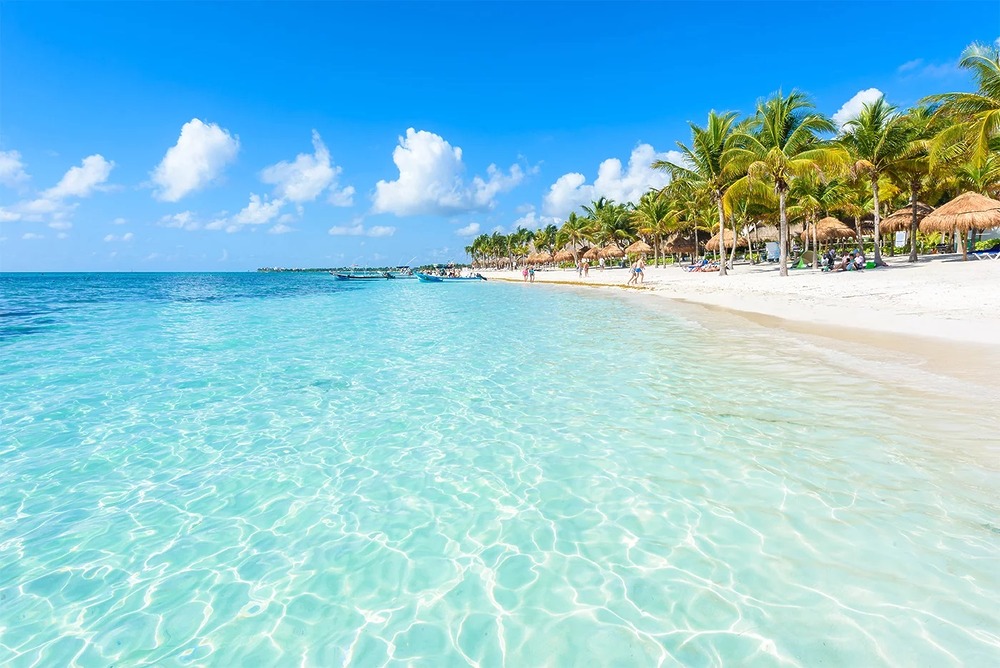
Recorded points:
(992, 254)
(773, 251)
(697, 266)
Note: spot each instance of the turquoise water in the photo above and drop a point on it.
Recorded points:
(286, 470)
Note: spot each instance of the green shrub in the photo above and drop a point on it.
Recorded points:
(987, 244)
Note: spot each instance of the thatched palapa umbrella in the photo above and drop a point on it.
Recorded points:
(639, 247)
(562, 256)
(828, 228)
(592, 254)
(612, 251)
(900, 221)
(968, 211)
(678, 243)
(713, 243)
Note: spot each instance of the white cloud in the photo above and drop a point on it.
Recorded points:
(184, 220)
(201, 153)
(8, 216)
(430, 180)
(118, 221)
(280, 228)
(128, 236)
(12, 172)
(81, 181)
(357, 229)
(571, 190)
(470, 230)
(910, 65)
(259, 211)
(304, 179)
(531, 220)
(852, 107)
(62, 235)
(381, 231)
(28, 236)
(60, 225)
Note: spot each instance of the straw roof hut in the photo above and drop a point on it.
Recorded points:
(592, 254)
(562, 256)
(539, 258)
(900, 220)
(968, 211)
(639, 247)
(612, 251)
(713, 243)
(763, 233)
(678, 243)
(828, 228)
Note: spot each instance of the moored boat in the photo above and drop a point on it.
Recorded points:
(430, 278)
(359, 277)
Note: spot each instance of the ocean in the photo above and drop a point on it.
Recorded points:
(283, 469)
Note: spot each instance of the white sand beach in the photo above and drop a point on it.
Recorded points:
(940, 296)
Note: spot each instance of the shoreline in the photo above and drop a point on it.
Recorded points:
(940, 314)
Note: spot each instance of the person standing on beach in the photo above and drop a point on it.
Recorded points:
(640, 265)
(524, 272)
(633, 273)
(600, 263)
(586, 268)
(579, 268)
(531, 275)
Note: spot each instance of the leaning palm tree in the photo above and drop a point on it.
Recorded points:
(975, 128)
(878, 141)
(709, 165)
(815, 195)
(782, 142)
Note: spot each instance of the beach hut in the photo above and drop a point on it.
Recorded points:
(563, 256)
(968, 211)
(639, 247)
(713, 243)
(612, 251)
(900, 220)
(592, 254)
(679, 244)
(827, 229)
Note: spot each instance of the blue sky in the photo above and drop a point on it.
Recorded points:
(229, 136)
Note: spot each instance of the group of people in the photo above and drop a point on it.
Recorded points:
(583, 267)
(635, 274)
(853, 261)
(529, 274)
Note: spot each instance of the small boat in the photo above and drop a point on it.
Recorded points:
(400, 272)
(429, 278)
(359, 277)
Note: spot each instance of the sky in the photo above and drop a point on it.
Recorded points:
(231, 136)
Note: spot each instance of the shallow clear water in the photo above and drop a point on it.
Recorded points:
(283, 470)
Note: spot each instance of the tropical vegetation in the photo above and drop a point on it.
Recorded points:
(780, 170)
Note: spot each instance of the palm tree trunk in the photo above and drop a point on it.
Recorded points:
(722, 238)
(913, 222)
(815, 246)
(732, 253)
(878, 221)
(782, 233)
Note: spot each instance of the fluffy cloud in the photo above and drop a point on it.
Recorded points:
(470, 230)
(8, 216)
(60, 225)
(304, 179)
(531, 220)
(201, 153)
(12, 172)
(852, 107)
(81, 181)
(280, 228)
(29, 236)
(259, 211)
(357, 229)
(622, 185)
(430, 180)
(128, 236)
(184, 220)
(118, 221)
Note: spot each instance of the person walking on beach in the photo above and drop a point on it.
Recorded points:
(600, 263)
(586, 268)
(524, 272)
(633, 273)
(531, 275)
(579, 268)
(640, 265)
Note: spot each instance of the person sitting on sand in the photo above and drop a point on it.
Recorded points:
(842, 265)
(859, 261)
(830, 257)
(697, 266)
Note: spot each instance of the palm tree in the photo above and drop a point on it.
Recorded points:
(709, 165)
(654, 217)
(782, 142)
(879, 143)
(574, 232)
(975, 129)
(913, 172)
(814, 194)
